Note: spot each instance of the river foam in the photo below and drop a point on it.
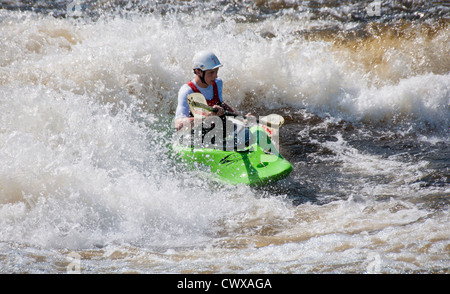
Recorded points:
(86, 106)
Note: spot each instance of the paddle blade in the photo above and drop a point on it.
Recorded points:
(194, 100)
(273, 120)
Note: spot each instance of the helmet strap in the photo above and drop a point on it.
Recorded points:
(202, 76)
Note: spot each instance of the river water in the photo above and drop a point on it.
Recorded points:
(88, 93)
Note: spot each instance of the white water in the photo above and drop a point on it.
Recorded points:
(85, 165)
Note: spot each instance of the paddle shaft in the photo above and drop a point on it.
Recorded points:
(229, 113)
(209, 108)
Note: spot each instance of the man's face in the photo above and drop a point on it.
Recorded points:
(211, 75)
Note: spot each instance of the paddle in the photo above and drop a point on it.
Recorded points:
(197, 103)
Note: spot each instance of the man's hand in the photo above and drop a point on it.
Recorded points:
(219, 112)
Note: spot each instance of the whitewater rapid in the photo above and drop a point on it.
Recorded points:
(86, 165)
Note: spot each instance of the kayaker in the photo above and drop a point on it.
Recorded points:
(206, 67)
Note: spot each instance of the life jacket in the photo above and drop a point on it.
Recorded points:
(212, 102)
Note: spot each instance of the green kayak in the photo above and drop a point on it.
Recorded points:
(260, 163)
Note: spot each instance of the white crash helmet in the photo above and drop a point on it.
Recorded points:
(206, 60)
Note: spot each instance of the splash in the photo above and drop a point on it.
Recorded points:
(84, 130)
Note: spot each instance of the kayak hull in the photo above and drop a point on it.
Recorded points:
(258, 165)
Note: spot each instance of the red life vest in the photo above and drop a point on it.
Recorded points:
(212, 102)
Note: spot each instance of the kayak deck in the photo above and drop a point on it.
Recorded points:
(254, 166)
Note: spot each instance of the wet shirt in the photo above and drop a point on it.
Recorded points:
(185, 90)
